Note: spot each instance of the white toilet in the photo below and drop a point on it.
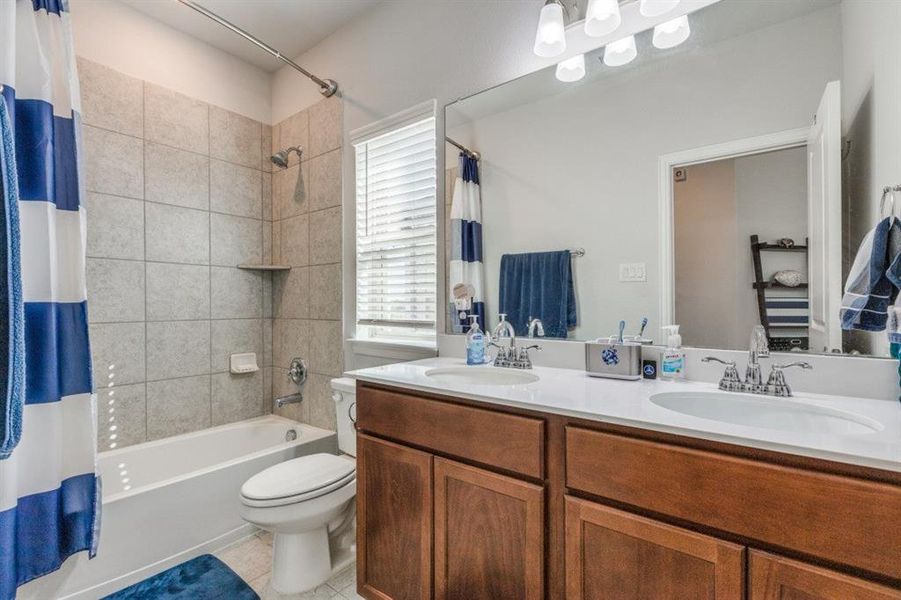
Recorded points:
(308, 504)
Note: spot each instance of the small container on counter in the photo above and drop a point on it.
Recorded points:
(612, 358)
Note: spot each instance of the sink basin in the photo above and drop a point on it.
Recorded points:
(480, 376)
(766, 413)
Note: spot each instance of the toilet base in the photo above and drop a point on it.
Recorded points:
(300, 561)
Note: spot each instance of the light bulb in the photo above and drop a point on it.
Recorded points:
(550, 38)
(655, 8)
(620, 52)
(602, 17)
(672, 33)
(571, 69)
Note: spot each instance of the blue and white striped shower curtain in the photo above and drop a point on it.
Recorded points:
(466, 244)
(49, 490)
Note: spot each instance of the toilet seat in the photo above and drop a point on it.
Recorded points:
(297, 480)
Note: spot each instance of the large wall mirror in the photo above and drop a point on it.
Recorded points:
(721, 184)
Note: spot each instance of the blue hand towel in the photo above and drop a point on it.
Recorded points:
(538, 285)
(12, 329)
(870, 288)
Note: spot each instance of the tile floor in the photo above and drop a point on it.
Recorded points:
(251, 559)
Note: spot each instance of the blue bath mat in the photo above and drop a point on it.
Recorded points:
(202, 578)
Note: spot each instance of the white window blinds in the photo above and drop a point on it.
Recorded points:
(396, 228)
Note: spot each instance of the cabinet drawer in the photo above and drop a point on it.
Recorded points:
(510, 442)
(841, 519)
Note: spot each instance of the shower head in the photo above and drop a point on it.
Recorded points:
(280, 158)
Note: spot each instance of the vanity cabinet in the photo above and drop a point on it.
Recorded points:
(468, 501)
(615, 554)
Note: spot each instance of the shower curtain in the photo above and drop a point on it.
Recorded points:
(466, 245)
(49, 490)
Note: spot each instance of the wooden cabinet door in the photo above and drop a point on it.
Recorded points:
(615, 554)
(489, 535)
(776, 578)
(394, 521)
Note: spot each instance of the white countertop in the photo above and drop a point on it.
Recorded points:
(572, 393)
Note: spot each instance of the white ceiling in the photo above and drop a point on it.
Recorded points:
(289, 26)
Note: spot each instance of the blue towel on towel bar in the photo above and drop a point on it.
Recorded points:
(538, 285)
(12, 330)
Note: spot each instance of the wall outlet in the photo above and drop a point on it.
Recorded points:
(633, 272)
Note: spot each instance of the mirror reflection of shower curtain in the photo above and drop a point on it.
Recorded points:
(49, 489)
(465, 271)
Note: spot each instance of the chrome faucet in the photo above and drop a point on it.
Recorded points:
(536, 327)
(757, 348)
(510, 357)
(776, 385)
(297, 372)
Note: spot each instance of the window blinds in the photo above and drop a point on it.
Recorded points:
(396, 227)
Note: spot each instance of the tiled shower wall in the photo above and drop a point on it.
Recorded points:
(178, 194)
(306, 234)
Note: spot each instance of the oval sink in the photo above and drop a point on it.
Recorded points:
(480, 376)
(766, 413)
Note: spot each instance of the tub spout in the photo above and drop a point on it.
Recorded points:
(289, 399)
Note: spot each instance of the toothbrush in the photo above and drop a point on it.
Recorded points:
(644, 323)
(622, 327)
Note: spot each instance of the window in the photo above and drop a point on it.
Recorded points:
(396, 229)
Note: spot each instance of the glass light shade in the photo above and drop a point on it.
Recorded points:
(550, 38)
(620, 52)
(672, 33)
(655, 8)
(571, 69)
(602, 17)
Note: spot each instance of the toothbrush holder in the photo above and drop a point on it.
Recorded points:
(613, 359)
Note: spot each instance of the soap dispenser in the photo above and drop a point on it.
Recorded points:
(673, 363)
(475, 343)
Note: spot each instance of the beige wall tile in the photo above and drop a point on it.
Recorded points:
(266, 249)
(236, 293)
(115, 227)
(325, 292)
(295, 241)
(177, 292)
(326, 125)
(325, 236)
(318, 396)
(121, 412)
(266, 195)
(236, 397)
(326, 351)
(325, 180)
(276, 243)
(175, 119)
(117, 349)
(115, 290)
(236, 336)
(236, 190)
(177, 406)
(235, 240)
(290, 192)
(266, 150)
(175, 234)
(291, 339)
(113, 163)
(235, 138)
(267, 295)
(177, 349)
(110, 99)
(266, 358)
(291, 294)
(176, 176)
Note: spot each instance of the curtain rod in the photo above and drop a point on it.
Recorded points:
(463, 148)
(327, 87)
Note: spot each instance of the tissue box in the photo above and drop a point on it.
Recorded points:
(616, 360)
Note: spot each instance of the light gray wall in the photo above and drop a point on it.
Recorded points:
(178, 194)
(579, 169)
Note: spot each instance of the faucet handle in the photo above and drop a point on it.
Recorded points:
(776, 383)
(728, 363)
(523, 360)
(730, 380)
(801, 364)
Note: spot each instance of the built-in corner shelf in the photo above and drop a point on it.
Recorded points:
(265, 267)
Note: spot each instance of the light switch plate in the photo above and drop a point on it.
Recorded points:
(633, 272)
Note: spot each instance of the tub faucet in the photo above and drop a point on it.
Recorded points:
(297, 372)
(289, 399)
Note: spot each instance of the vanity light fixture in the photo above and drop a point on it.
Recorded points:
(672, 33)
(655, 8)
(571, 69)
(620, 52)
(550, 38)
(602, 17)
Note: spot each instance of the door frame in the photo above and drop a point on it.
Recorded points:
(780, 140)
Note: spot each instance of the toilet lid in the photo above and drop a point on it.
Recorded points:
(308, 476)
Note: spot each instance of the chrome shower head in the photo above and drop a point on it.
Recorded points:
(280, 158)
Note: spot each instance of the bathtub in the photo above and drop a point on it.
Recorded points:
(167, 501)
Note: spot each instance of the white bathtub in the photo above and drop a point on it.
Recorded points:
(170, 500)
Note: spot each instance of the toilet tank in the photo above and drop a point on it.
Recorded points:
(344, 393)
